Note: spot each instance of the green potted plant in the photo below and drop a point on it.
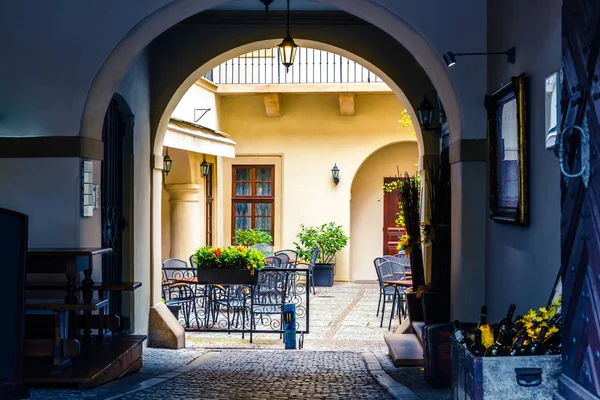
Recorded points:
(251, 237)
(229, 265)
(329, 238)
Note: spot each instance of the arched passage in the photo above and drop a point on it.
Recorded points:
(155, 24)
(367, 205)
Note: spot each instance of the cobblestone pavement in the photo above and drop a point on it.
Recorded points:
(155, 362)
(413, 379)
(343, 325)
(342, 317)
(271, 375)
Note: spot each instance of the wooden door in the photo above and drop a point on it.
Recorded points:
(111, 193)
(580, 219)
(391, 234)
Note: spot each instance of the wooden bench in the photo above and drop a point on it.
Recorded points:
(61, 347)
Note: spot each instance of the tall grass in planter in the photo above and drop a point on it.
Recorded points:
(436, 302)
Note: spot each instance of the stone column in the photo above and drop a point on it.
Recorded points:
(469, 215)
(424, 161)
(186, 224)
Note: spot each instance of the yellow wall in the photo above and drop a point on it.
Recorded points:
(188, 227)
(310, 137)
(367, 205)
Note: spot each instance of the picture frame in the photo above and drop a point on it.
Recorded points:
(507, 153)
(552, 88)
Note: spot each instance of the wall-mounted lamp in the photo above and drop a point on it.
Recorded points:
(204, 169)
(267, 3)
(425, 115)
(335, 173)
(167, 162)
(450, 57)
(288, 48)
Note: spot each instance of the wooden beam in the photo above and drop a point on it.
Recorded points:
(272, 105)
(347, 104)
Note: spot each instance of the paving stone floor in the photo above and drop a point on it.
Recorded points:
(342, 317)
(269, 374)
(225, 366)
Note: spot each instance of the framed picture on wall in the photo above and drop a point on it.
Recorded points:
(552, 101)
(507, 147)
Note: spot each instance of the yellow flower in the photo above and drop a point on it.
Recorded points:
(530, 315)
(543, 310)
(487, 336)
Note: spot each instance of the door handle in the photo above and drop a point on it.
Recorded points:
(585, 153)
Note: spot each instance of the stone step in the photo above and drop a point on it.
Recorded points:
(404, 349)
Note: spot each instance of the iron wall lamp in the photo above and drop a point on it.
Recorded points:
(335, 173)
(450, 57)
(204, 169)
(425, 115)
(167, 162)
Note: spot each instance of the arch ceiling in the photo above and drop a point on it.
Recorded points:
(181, 64)
(115, 66)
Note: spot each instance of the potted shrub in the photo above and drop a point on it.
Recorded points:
(230, 265)
(329, 238)
(251, 237)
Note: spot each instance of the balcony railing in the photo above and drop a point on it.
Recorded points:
(311, 66)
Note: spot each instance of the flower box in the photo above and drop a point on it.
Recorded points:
(526, 377)
(226, 276)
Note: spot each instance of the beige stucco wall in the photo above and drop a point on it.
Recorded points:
(366, 205)
(310, 137)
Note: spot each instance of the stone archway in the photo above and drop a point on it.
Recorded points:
(116, 65)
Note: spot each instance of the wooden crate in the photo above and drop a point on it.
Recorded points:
(436, 354)
(505, 378)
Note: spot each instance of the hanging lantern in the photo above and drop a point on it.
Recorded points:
(288, 48)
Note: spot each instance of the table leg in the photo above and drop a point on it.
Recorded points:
(87, 285)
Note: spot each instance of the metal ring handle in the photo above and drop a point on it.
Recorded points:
(585, 153)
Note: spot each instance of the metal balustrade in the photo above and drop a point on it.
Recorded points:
(246, 309)
(311, 66)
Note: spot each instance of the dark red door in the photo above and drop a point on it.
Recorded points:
(580, 219)
(391, 234)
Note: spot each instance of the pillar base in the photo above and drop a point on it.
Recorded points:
(164, 331)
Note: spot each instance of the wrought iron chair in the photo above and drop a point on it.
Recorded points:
(268, 299)
(385, 292)
(292, 256)
(175, 289)
(311, 268)
(285, 260)
(392, 271)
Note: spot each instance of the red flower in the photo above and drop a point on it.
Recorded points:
(218, 253)
(241, 250)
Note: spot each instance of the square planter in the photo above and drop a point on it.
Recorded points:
(323, 274)
(526, 377)
(227, 277)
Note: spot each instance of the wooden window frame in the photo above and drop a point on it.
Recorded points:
(252, 199)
